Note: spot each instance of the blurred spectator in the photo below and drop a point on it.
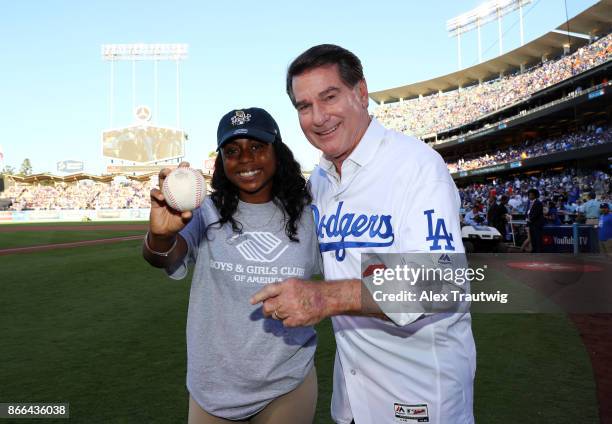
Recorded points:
(515, 203)
(552, 215)
(474, 217)
(535, 220)
(605, 230)
(591, 209)
(438, 112)
(497, 215)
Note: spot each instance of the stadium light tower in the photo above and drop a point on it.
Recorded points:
(144, 52)
(483, 14)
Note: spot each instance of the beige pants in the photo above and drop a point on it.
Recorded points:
(296, 407)
(605, 247)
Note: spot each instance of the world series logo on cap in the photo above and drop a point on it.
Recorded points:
(241, 118)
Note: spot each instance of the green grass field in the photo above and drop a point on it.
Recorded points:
(77, 223)
(100, 329)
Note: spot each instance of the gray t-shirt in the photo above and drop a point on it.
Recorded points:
(237, 360)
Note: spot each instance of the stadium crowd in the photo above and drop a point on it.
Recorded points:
(534, 148)
(569, 190)
(437, 112)
(84, 194)
(567, 193)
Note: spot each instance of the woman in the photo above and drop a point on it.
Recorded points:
(254, 229)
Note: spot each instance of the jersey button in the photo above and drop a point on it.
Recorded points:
(353, 372)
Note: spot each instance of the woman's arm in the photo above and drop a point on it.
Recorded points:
(162, 252)
(163, 247)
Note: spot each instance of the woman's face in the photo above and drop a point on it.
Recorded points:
(250, 165)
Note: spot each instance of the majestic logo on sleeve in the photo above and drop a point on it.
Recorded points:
(440, 232)
(349, 230)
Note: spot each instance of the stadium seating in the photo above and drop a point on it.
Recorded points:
(434, 113)
(566, 189)
(533, 148)
(82, 195)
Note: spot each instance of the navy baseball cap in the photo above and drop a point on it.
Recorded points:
(603, 206)
(254, 123)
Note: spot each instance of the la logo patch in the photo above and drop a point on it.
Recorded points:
(440, 233)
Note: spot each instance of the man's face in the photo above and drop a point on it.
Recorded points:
(332, 115)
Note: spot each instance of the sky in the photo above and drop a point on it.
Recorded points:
(55, 86)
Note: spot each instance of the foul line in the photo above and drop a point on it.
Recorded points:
(31, 249)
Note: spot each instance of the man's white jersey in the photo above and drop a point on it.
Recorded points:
(395, 196)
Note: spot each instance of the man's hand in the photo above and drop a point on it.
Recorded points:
(298, 303)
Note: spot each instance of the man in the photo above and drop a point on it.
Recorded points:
(491, 206)
(474, 217)
(515, 203)
(375, 191)
(591, 210)
(497, 216)
(580, 217)
(605, 230)
(535, 220)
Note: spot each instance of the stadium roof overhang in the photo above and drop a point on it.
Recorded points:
(38, 178)
(594, 21)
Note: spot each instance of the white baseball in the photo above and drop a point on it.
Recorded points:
(184, 189)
